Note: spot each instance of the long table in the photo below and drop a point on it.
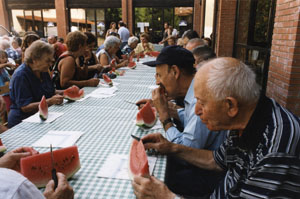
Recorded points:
(107, 125)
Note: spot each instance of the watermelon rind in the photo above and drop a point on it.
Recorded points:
(43, 112)
(140, 123)
(2, 149)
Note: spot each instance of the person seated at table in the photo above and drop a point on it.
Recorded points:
(145, 46)
(188, 35)
(65, 71)
(171, 41)
(193, 43)
(92, 62)
(129, 48)
(202, 54)
(2, 112)
(175, 77)
(29, 38)
(261, 153)
(30, 82)
(14, 185)
(106, 55)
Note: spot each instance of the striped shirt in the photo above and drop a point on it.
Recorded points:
(264, 162)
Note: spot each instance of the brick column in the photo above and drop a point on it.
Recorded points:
(284, 70)
(197, 22)
(127, 13)
(225, 27)
(4, 21)
(62, 18)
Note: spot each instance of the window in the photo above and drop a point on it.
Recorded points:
(253, 35)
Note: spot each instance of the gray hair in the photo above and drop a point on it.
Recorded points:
(4, 44)
(111, 41)
(37, 50)
(196, 40)
(132, 39)
(229, 77)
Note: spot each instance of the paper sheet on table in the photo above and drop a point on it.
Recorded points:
(84, 98)
(58, 139)
(101, 96)
(116, 166)
(36, 117)
(103, 84)
(105, 90)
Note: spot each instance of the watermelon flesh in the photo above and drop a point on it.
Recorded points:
(43, 108)
(138, 161)
(38, 168)
(154, 53)
(107, 80)
(132, 65)
(73, 93)
(146, 117)
(2, 147)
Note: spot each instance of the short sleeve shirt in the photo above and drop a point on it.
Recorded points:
(15, 186)
(264, 161)
(26, 88)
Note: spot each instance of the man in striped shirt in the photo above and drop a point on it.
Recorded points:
(260, 155)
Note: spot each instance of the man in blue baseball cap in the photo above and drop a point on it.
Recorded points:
(175, 77)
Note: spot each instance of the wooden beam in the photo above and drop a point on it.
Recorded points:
(163, 3)
(30, 4)
(62, 15)
(4, 20)
(197, 16)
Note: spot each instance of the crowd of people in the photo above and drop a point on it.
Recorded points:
(224, 138)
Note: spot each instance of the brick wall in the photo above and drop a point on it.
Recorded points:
(4, 15)
(225, 27)
(284, 70)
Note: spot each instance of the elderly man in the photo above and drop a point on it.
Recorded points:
(194, 43)
(175, 76)
(4, 45)
(261, 153)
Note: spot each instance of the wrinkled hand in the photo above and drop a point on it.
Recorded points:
(93, 82)
(11, 160)
(142, 102)
(56, 99)
(158, 142)
(151, 188)
(124, 63)
(160, 102)
(63, 190)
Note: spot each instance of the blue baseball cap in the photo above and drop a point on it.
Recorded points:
(174, 55)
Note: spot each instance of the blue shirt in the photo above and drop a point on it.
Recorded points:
(12, 53)
(4, 77)
(26, 88)
(127, 49)
(195, 133)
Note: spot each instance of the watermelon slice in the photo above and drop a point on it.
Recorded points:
(138, 161)
(43, 109)
(107, 80)
(154, 53)
(146, 117)
(38, 168)
(2, 147)
(132, 65)
(73, 93)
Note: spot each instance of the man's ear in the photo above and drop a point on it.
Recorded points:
(175, 71)
(232, 106)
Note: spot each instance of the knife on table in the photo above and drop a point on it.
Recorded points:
(53, 171)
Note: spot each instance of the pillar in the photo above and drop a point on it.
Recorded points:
(127, 14)
(62, 18)
(4, 20)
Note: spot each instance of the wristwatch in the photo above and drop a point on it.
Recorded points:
(167, 121)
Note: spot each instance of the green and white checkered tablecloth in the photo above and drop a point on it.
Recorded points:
(107, 125)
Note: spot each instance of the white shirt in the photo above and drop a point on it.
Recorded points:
(15, 186)
(124, 34)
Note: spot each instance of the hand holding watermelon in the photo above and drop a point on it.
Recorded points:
(142, 102)
(160, 102)
(113, 63)
(93, 82)
(63, 190)
(11, 160)
(151, 188)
